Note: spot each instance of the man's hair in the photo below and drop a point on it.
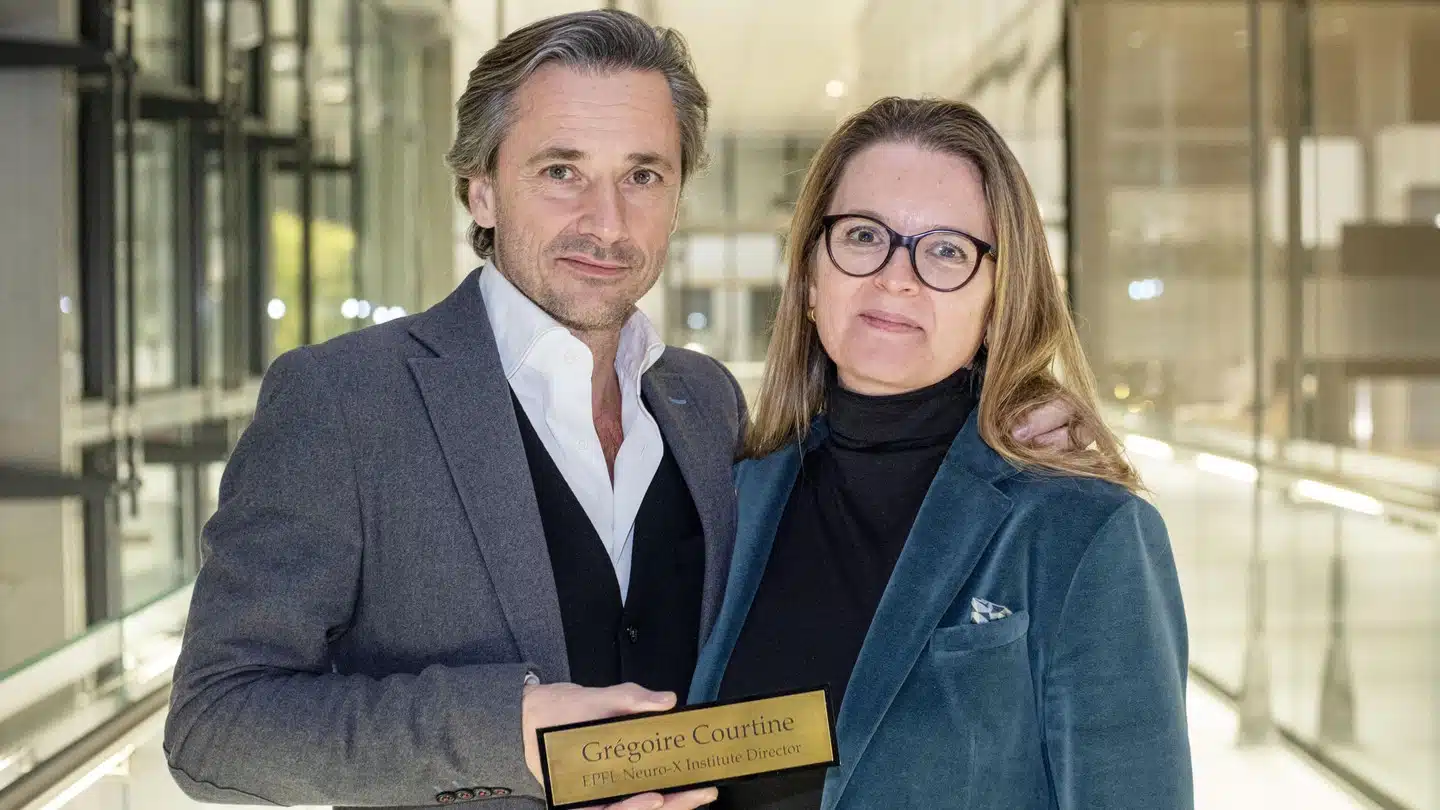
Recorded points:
(604, 41)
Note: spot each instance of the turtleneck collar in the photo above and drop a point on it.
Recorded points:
(921, 418)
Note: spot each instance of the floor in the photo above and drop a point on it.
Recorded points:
(1270, 776)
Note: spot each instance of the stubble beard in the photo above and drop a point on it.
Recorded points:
(597, 312)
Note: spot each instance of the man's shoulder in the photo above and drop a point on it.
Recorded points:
(367, 342)
(694, 365)
(708, 381)
(353, 363)
(703, 374)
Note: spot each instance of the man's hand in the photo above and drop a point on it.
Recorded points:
(562, 703)
(688, 800)
(1049, 426)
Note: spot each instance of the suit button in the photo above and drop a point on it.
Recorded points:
(445, 798)
(632, 633)
(464, 795)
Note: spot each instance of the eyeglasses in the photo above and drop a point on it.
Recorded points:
(944, 260)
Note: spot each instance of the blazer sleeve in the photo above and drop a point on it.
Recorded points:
(1114, 692)
(258, 713)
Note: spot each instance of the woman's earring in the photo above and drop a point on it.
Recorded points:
(810, 313)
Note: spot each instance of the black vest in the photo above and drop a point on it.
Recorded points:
(652, 638)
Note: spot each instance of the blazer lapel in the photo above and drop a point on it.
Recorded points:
(955, 524)
(469, 403)
(763, 490)
(690, 433)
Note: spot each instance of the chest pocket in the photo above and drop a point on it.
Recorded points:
(984, 687)
(968, 637)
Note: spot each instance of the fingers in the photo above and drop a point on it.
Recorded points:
(691, 799)
(1058, 439)
(629, 698)
(559, 704)
(688, 800)
(1045, 419)
(648, 801)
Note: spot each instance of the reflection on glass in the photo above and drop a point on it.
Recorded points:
(764, 303)
(337, 309)
(154, 254)
(698, 326)
(331, 78)
(159, 47)
(1298, 557)
(150, 558)
(72, 369)
(284, 80)
(1369, 190)
(282, 310)
(214, 78)
(216, 233)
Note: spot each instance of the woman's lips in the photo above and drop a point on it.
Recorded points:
(889, 321)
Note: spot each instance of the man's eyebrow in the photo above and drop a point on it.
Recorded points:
(564, 153)
(650, 159)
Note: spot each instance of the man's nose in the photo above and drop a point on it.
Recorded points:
(604, 214)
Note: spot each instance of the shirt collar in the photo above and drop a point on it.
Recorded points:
(520, 325)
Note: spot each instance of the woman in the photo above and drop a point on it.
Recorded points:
(1000, 625)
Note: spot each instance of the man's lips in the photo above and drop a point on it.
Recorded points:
(594, 265)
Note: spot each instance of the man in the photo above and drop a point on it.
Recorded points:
(444, 532)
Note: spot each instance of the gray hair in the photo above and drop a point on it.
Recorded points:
(602, 40)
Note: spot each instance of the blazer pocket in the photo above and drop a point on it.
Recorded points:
(966, 638)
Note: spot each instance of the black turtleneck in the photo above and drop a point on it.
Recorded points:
(843, 529)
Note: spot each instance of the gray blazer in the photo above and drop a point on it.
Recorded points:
(376, 582)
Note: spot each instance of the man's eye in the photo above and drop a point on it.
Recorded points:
(645, 177)
(559, 172)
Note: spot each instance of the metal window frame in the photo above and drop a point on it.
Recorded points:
(113, 93)
(23, 52)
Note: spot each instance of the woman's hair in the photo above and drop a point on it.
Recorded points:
(1029, 325)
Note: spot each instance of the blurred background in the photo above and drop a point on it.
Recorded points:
(1242, 196)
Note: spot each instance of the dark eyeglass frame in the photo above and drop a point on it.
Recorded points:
(897, 240)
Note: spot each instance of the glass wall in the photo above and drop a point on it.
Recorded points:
(728, 251)
(207, 216)
(1256, 241)
(1005, 57)
(158, 155)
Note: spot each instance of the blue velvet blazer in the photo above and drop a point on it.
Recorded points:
(1074, 700)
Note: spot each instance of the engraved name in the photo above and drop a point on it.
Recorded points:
(704, 734)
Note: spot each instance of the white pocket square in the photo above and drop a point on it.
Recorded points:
(982, 611)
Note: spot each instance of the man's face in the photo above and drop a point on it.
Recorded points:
(585, 192)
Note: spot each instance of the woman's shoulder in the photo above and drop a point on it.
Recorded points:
(1080, 508)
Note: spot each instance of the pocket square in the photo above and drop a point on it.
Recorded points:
(982, 611)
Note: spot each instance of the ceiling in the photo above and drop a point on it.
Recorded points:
(766, 63)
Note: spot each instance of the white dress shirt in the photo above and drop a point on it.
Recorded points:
(549, 370)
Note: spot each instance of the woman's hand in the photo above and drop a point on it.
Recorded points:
(1050, 426)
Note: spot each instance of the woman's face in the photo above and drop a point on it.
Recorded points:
(888, 333)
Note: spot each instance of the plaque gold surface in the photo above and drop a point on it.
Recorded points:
(608, 760)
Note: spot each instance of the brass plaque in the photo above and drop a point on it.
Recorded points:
(698, 746)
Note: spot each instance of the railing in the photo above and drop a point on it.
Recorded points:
(57, 700)
(1402, 490)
